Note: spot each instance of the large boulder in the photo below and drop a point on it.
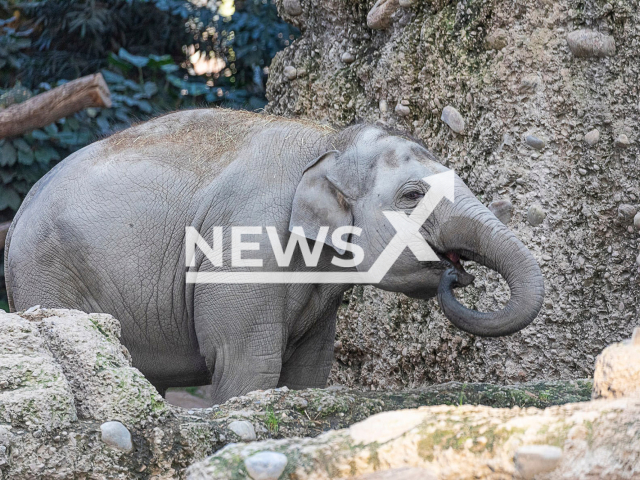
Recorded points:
(618, 369)
(509, 70)
(591, 440)
(72, 406)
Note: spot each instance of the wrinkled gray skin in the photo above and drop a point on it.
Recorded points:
(104, 232)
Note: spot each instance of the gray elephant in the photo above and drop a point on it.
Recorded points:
(104, 231)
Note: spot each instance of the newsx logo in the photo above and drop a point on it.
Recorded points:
(407, 236)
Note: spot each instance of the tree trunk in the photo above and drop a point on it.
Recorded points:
(62, 101)
(530, 84)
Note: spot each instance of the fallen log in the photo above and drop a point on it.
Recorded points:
(62, 101)
(4, 228)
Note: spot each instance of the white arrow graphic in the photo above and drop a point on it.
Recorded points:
(407, 236)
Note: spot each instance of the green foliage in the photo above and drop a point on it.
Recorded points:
(155, 55)
(271, 420)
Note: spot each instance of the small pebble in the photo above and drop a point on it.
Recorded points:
(405, 3)
(535, 215)
(292, 7)
(496, 40)
(379, 17)
(382, 105)
(627, 213)
(347, 57)
(622, 141)
(116, 435)
(582, 171)
(592, 137)
(532, 460)
(503, 209)
(266, 465)
(588, 43)
(452, 117)
(290, 72)
(535, 142)
(403, 110)
(243, 429)
(636, 221)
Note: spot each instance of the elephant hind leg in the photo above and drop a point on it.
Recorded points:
(240, 369)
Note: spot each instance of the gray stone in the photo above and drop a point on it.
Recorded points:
(535, 215)
(292, 7)
(503, 209)
(348, 57)
(383, 106)
(243, 429)
(592, 137)
(290, 72)
(116, 435)
(582, 171)
(496, 40)
(626, 213)
(405, 3)
(403, 110)
(622, 141)
(535, 142)
(452, 117)
(588, 43)
(266, 465)
(636, 221)
(532, 460)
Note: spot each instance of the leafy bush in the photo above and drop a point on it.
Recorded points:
(155, 55)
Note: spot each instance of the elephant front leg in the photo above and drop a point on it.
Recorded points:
(308, 363)
(242, 341)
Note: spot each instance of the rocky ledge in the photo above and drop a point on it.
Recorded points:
(72, 406)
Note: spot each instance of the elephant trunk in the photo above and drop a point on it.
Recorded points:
(470, 230)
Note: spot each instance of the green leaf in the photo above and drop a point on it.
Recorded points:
(150, 89)
(51, 129)
(8, 155)
(111, 77)
(9, 198)
(103, 123)
(45, 155)
(158, 61)
(39, 135)
(73, 123)
(25, 158)
(117, 62)
(170, 68)
(21, 145)
(68, 138)
(134, 60)
(6, 176)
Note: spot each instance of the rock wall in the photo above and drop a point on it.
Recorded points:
(548, 95)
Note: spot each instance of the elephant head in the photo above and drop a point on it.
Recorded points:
(371, 172)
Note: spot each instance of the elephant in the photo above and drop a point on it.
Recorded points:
(104, 231)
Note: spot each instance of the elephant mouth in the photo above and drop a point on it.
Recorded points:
(454, 259)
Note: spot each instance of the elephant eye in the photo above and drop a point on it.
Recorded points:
(413, 195)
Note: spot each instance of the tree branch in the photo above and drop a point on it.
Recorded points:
(62, 101)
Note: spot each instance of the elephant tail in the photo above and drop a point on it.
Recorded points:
(7, 277)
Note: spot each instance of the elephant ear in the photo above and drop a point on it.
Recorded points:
(319, 200)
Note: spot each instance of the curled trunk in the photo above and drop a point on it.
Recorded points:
(475, 233)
